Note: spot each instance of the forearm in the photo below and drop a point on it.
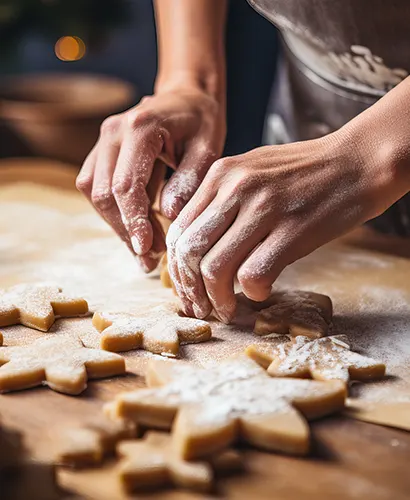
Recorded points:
(381, 136)
(191, 44)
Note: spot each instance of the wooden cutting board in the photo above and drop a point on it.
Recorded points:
(49, 233)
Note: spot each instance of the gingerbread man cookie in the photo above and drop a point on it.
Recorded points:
(161, 331)
(328, 358)
(91, 443)
(37, 306)
(211, 408)
(295, 313)
(59, 361)
(152, 463)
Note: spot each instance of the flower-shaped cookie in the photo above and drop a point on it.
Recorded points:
(59, 361)
(329, 358)
(161, 331)
(152, 463)
(37, 306)
(295, 313)
(211, 408)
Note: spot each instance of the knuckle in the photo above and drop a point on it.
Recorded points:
(249, 278)
(121, 185)
(138, 117)
(110, 125)
(211, 269)
(103, 200)
(84, 183)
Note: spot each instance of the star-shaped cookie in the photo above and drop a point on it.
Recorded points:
(211, 408)
(161, 331)
(295, 313)
(329, 358)
(152, 463)
(37, 306)
(91, 443)
(59, 361)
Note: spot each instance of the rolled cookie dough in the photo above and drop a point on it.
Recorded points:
(211, 408)
(328, 358)
(295, 313)
(161, 331)
(152, 463)
(37, 306)
(59, 361)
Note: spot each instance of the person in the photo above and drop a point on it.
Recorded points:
(343, 98)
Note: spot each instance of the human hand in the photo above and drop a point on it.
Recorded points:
(256, 213)
(183, 127)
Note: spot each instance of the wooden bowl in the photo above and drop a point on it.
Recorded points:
(59, 115)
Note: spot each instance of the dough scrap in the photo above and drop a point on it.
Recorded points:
(295, 313)
(37, 306)
(210, 408)
(395, 415)
(59, 361)
(152, 463)
(91, 443)
(161, 331)
(328, 358)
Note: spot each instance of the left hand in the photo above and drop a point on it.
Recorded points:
(256, 213)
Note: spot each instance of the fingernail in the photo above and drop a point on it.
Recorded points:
(136, 245)
(143, 265)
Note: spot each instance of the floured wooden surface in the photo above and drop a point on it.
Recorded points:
(53, 236)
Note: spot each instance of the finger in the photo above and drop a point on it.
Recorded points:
(101, 195)
(261, 269)
(151, 259)
(185, 181)
(84, 181)
(219, 266)
(198, 203)
(195, 242)
(138, 153)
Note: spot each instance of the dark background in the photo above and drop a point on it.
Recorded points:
(121, 42)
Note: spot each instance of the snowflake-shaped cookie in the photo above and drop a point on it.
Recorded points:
(59, 361)
(161, 331)
(295, 313)
(152, 463)
(37, 306)
(210, 408)
(329, 358)
(91, 443)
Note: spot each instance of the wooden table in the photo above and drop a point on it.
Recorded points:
(51, 232)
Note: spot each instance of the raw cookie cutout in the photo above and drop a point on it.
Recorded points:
(295, 313)
(329, 358)
(211, 408)
(59, 361)
(160, 332)
(152, 463)
(91, 443)
(37, 306)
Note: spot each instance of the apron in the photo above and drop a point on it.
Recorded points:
(340, 57)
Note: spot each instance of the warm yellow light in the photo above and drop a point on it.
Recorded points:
(70, 48)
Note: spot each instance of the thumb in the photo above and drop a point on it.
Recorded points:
(192, 169)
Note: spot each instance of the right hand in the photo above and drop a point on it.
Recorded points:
(183, 127)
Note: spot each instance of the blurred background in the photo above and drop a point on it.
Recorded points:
(65, 65)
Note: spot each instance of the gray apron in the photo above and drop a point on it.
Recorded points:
(341, 56)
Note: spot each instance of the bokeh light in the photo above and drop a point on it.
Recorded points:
(70, 48)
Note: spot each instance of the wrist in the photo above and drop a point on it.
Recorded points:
(378, 156)
(210, 82)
